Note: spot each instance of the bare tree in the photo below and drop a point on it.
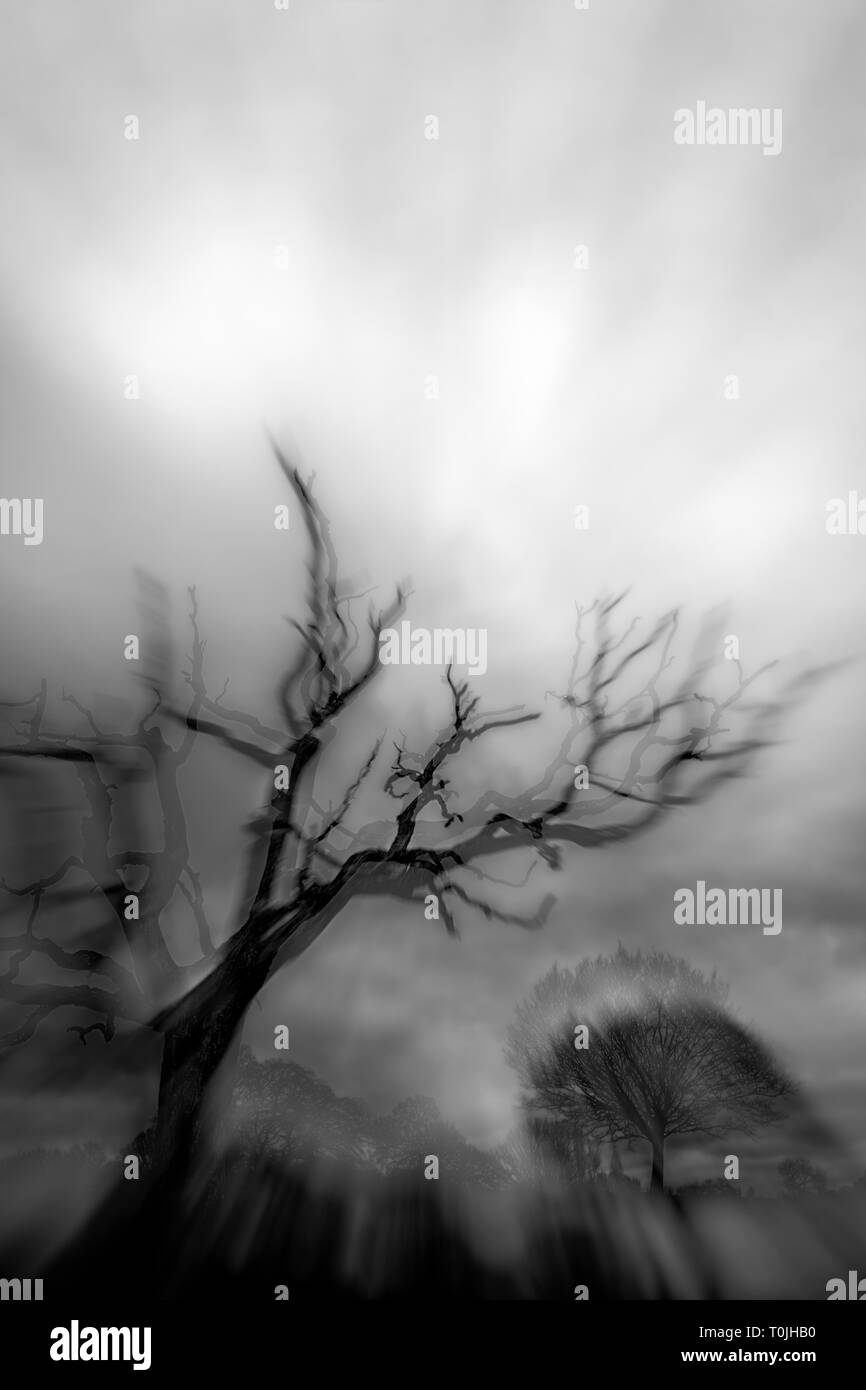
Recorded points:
(541, 1149)
(660, 1055)
(800, 1176)
(646, 753)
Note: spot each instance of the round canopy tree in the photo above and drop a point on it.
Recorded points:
(642, 1046)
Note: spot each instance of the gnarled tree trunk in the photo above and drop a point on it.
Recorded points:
(657, 1177)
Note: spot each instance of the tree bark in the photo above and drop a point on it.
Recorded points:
(135, 1232)
(204, 1029)
(195, 1047)
(657, 1178)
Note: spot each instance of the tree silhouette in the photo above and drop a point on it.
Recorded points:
(542, 1149)
(415, 1129)
(286, 1109)
(662, 1056)
(800, 1176)
(646, 751)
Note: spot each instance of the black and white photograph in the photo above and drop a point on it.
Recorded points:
(432, 697)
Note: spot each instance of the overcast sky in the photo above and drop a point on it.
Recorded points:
(407, 259)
